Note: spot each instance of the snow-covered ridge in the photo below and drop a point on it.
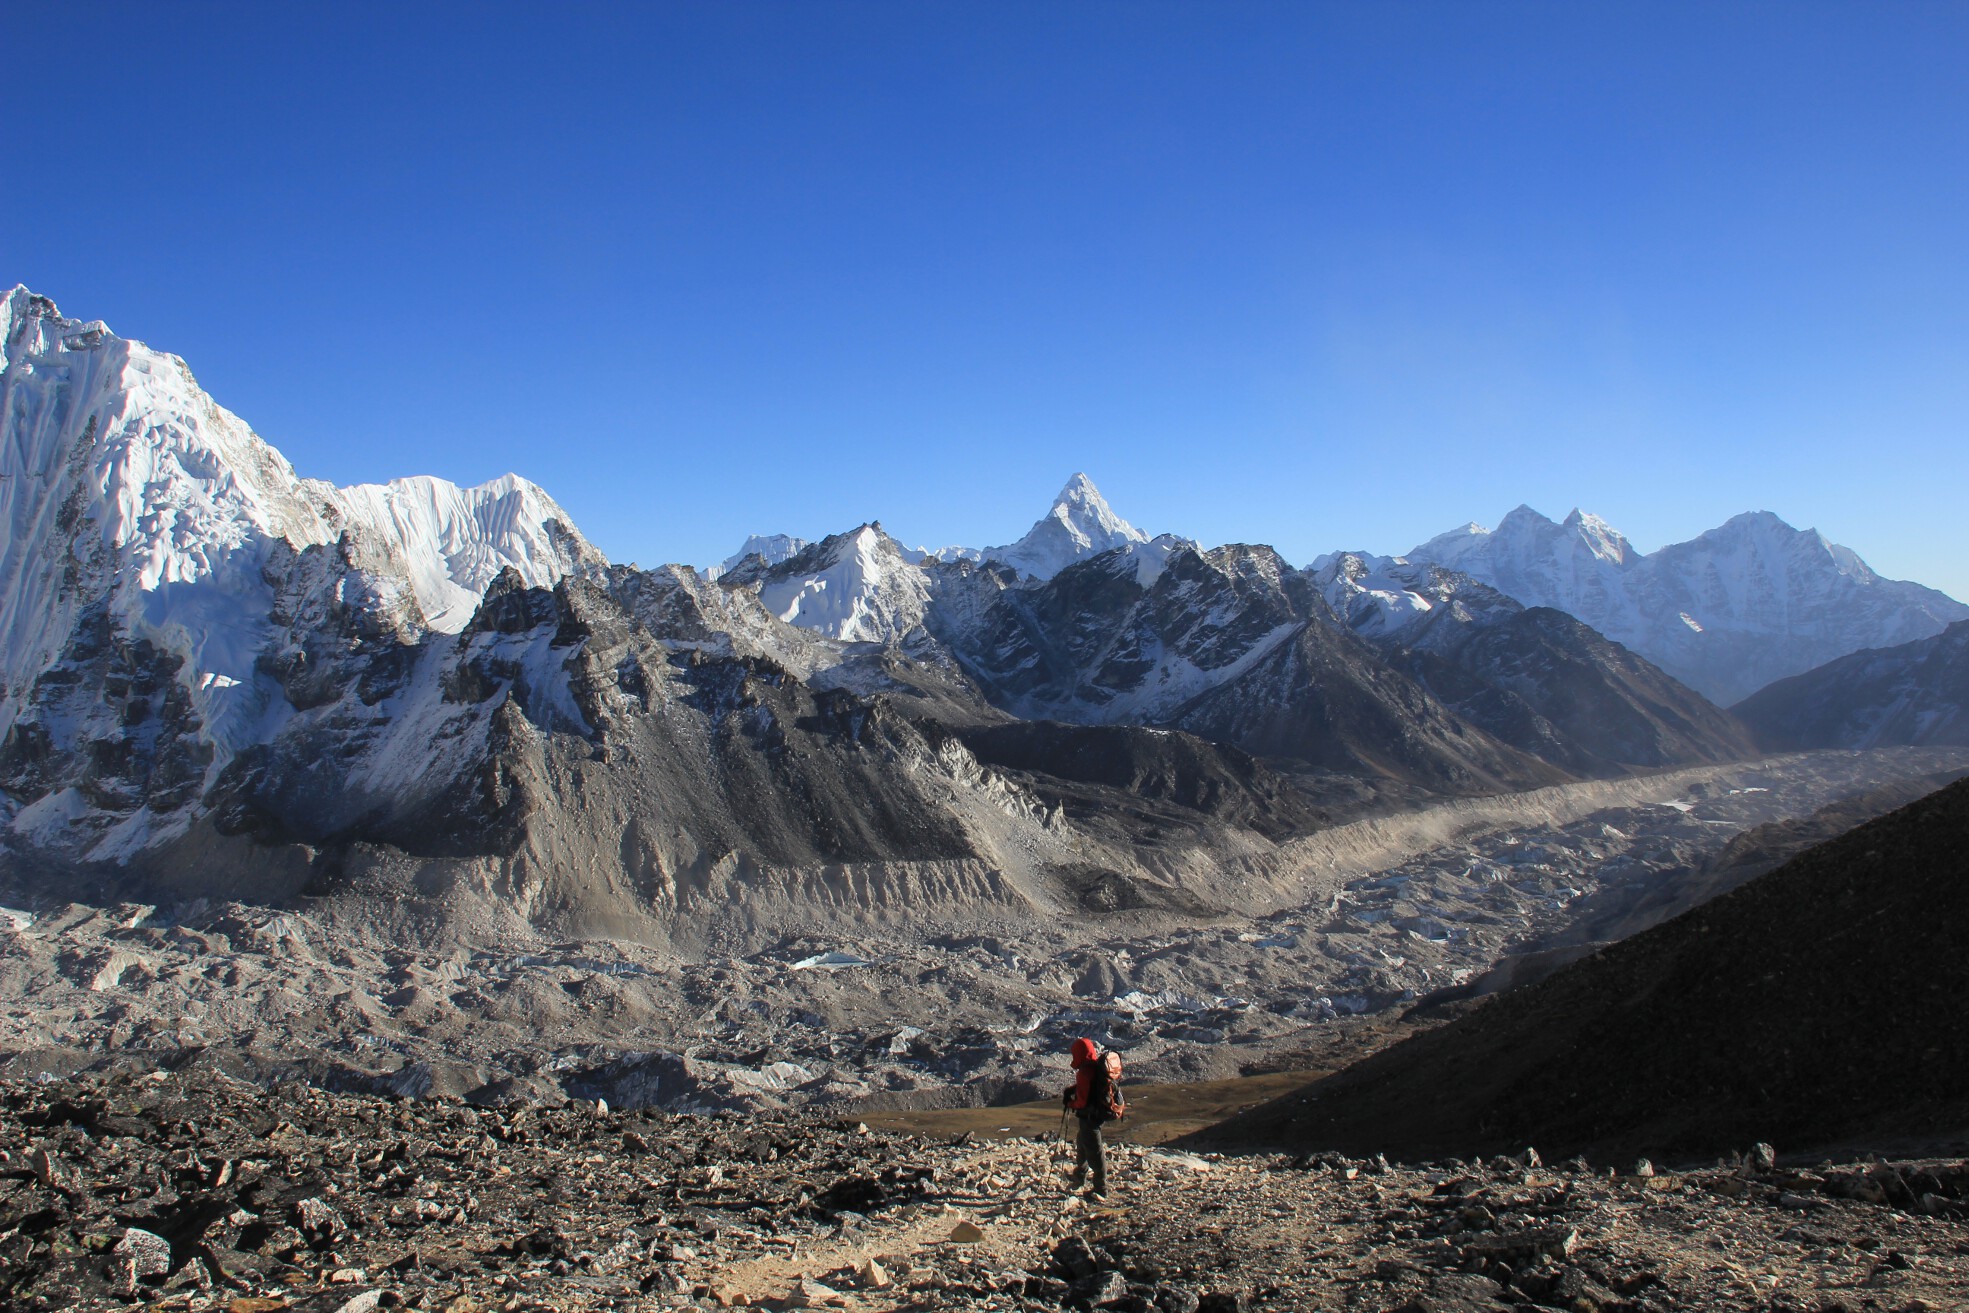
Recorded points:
(864, 586)
(1727, 612)
(125, 488)
(859, 586)
(455, 541)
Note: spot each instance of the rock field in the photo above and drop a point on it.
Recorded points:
(194, 1191)
(356, 994)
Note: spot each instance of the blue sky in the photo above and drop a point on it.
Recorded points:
(1315, 275)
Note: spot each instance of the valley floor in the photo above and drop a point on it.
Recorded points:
(913, 1011)
(195, 1192)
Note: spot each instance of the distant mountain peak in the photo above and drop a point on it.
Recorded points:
(858, 586)
(1751, 600)
(1079, 524)
(1605, 541)
(770, 547)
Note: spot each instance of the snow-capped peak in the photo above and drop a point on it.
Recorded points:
(1448, 548)
(1749, 601)
(858, 586)
(1601, 538)
(772, 548)
(1079, 524)
(128, 488)
(455, 541)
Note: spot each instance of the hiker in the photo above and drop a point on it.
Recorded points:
(1095, 1098)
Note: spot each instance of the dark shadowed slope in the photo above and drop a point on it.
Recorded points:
(1820, 1003)
(1545, 683)
(1916, 693)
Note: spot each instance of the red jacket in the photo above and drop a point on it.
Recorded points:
(1084, 1057)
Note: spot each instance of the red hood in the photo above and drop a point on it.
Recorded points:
(1084, 1052)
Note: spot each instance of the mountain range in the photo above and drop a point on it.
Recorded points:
(218, 673)
(1729, 611)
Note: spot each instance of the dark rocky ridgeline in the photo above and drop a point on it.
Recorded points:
(1915, 693)
(1818, 1004)
(552, 697)
(1326, 698)
(1232, 645)
(1607, 915)
(194, 1192)
(1548, 685)
(1532, 677)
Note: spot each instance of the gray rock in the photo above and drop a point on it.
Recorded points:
(147, 1254)
(318, 1220)
(1176, 1299)
(1075, 1258)
(1514, 1246)
(1099, 1290)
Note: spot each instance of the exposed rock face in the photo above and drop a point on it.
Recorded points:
(1915, 693)
(1804, 1006)
(1547, 684)
(1534, 678)
(1232, 645)
(1151, 764)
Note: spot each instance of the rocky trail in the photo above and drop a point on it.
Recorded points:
(194, 1191)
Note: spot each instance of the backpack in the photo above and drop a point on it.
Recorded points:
(1108, 1089)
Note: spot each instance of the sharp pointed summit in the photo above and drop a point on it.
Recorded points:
(1079, 524)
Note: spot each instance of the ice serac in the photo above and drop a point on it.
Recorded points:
(1080, 525)
(1727, 612)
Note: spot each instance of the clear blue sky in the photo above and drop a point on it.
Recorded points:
(1314, 275)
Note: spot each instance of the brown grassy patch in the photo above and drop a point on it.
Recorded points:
(1157, 1114)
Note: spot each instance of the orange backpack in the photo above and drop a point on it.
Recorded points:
(1117, 1103)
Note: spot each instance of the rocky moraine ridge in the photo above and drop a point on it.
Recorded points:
(192, 1191)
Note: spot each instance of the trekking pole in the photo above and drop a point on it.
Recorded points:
(1063, 1126)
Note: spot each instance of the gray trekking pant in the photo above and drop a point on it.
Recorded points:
(1088, 1151)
